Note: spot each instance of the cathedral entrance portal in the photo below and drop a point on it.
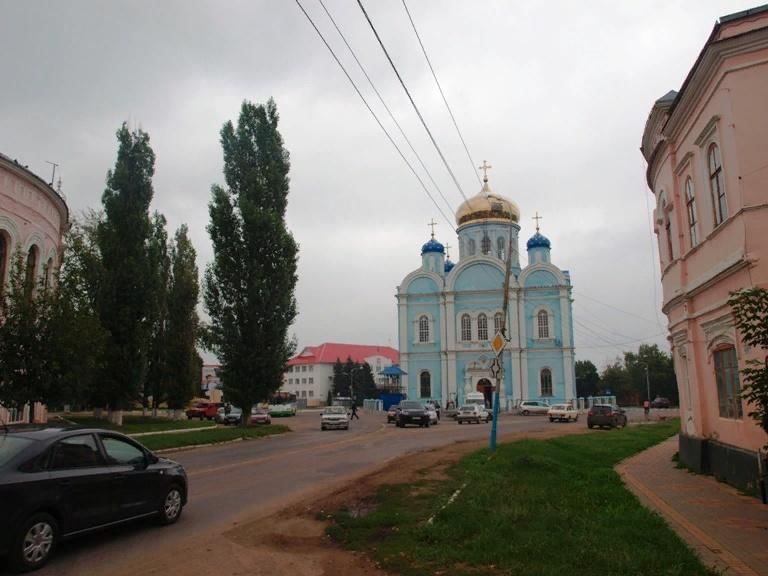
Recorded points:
(486, 387)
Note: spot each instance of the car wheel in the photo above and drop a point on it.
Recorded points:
(551, 419)
(525, 413)
(34, 544)
(461, 421)
(576, 418)
(170, 509)
(589, 425)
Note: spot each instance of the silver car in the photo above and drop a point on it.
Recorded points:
(528, 407)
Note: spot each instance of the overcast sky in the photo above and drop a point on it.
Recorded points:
(554, 95)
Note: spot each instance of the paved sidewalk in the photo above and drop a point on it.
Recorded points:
(727, 530)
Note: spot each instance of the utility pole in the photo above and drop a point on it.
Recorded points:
(500, 353)
(647, 384)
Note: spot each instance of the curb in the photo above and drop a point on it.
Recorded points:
(709, 550)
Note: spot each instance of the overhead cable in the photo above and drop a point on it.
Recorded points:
(416, 108)
(445, 100)
(400, 152)
(383, 103)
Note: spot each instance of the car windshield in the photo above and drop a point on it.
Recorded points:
(560, 407)
(10, 446)
(411, 405)
(335, 410)
(467, 408)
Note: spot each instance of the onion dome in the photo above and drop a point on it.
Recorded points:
(432, 246)
(448, 266)
(538, 240)
(487, 206)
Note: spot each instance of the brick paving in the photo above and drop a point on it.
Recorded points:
(729, 531)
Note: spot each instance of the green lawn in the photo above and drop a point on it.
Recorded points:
(534, 508)
(213, 436)
(139, 424)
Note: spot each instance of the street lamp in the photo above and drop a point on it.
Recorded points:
(647, 383)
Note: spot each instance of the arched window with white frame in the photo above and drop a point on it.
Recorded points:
(545, 377)
(716, 184)
(482, 327)
(542, 322)
(727, 379)
(466, 328)
(690, 208)
(485, 245)
(423, 329)
(31, 270)
(425, 385)
(500, 247)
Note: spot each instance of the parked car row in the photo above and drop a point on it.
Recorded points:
(234, 416)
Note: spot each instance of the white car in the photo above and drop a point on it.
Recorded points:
(563, 412)
(528, 407)
(472, 413)
(334, 417)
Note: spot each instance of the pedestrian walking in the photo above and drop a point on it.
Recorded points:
(354, 412)
(647, 408)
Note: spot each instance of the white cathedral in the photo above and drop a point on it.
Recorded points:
(449, 313)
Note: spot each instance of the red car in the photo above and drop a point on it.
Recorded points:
(203, 410)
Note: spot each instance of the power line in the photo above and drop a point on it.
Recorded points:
(440, 88)
(416, 108)
(381, 99)
(614, 307)
(360, 94)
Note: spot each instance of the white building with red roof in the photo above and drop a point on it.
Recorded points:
(310, 373)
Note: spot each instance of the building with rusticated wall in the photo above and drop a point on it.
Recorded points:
(33, 219)
(707, 153)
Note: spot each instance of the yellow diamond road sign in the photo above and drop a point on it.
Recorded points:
(498, 343)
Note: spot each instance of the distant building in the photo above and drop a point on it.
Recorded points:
(449, 313)
(33, 219)
(310, 373)
(707, 153)
(210, 385)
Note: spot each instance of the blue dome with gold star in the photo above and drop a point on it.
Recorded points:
(538, 240)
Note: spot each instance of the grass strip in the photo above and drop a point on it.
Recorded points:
(535, 507)
(213, 436)
(139, 424)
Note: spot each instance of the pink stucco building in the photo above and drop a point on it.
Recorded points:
(707, 153)
(33, 219)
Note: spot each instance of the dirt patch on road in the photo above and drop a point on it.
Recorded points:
(293, 541)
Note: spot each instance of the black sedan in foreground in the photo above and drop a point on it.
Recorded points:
(56, 483)
(412, 412)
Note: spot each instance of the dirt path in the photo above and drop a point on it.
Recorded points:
(291, 539)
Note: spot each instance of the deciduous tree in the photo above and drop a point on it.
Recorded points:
(250, 283)
(126, 289)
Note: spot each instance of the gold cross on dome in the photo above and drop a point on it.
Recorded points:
(485, 167)
(537, 218)
(432, 225)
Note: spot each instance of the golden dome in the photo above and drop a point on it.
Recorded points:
(487, 205)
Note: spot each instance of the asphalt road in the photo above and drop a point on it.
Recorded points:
(234, 482)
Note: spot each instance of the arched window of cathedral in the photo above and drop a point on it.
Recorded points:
(546, 382)
(543, 323)
(482, 327)
(425, 385)
(485, 245)
(466, 328)
(500, 247)
(31, 265)
(471, 246)
(497, 322)
(423, 329)
(48, 272)
(667, 231)
(4, 251)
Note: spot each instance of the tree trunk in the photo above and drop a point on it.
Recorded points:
(98, 413)
(115, 417)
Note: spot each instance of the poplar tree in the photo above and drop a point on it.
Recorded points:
(249, 286)
(159, 270)
(126, 289)
(183, 362)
